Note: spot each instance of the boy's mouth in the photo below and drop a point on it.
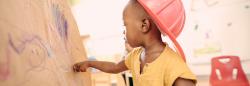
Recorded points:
(125, 39)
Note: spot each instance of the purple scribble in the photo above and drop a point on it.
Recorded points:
(60, 21)
(5, 66)
(19, 48)
(22, 45)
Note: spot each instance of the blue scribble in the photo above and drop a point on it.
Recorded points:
(49, 50)
(60, 21)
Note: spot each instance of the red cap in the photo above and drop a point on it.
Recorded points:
(169, 16)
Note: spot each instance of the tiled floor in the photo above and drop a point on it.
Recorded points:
(203, 81)
(105, 79)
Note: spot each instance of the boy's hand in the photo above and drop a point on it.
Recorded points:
(81, 66)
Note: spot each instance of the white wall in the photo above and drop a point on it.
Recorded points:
(102, 20)
(214, 28)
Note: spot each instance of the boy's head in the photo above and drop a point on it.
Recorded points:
(139, 25)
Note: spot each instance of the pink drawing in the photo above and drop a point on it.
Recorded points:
(5, 67)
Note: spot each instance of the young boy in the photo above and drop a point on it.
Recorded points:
(152, 62)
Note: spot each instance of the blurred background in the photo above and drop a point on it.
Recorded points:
(213, 28)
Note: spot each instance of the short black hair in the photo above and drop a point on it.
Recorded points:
(138, 9)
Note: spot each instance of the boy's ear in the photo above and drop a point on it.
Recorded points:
(145, 27)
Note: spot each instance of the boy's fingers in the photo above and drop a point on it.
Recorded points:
(73, 67)
(81, 69)
(76, 67)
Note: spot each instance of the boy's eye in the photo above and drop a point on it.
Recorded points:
(124, 24)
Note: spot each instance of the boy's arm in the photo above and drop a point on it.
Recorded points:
(108, 67)
(184, 82)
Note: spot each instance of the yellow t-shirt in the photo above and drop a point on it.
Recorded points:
(163, 71)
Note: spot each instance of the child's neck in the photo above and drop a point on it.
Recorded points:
(153, 45)
(152, 50)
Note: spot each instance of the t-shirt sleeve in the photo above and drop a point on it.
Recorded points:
(178, 69)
